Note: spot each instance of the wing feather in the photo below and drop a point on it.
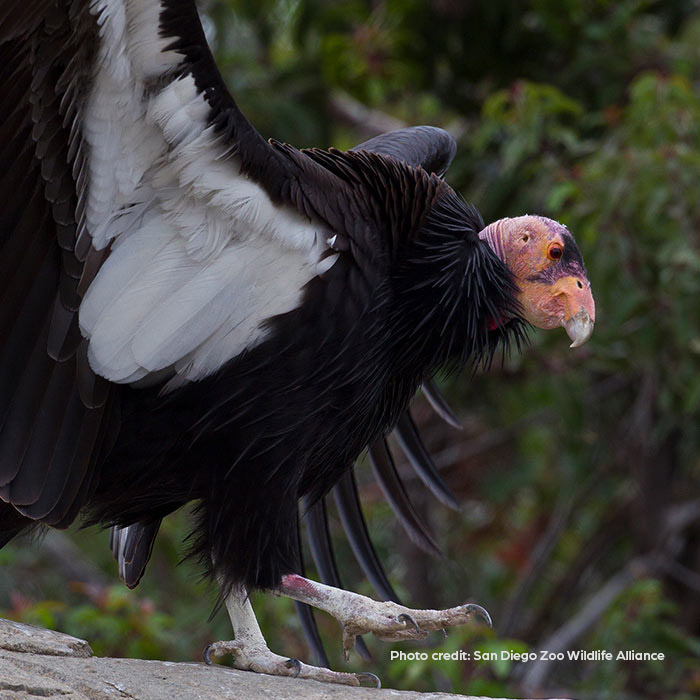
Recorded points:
(348, 504)
(98, 434)
(132, 547)
(24, 379)
(29, 483)
(158, 162)
(421, 461)
(85, 439)
(47, 435)
(48, 488)
(390, 482)
(429, 147)
(439, 404)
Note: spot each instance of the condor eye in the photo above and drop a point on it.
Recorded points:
(555, 252)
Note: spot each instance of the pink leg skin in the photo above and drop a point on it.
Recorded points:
(386, 620)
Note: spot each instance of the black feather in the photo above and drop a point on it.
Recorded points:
(426, 146)
(348, 504)
(390, 482)
(419, 458)
(320, 544)
(305, 614)
(132, 549)
(439, 404)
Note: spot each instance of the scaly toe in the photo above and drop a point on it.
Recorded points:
(260, 659)
(392, 622)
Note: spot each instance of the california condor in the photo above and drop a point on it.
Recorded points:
(192, 313)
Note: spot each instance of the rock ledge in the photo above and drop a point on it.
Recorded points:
(37, 663)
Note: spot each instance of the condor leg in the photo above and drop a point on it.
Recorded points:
(251, 653)
(386, 620)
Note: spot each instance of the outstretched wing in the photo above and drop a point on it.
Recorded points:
(182, 191)
(147, 229)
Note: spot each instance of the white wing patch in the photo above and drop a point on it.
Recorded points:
(200, 256)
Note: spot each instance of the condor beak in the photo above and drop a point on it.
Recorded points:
(580, 318)
(579, 328)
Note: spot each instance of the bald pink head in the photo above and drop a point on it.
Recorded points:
(549, 271)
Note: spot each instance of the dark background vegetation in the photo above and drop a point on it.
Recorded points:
(577, 470)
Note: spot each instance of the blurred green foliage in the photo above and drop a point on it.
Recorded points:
(575, 467)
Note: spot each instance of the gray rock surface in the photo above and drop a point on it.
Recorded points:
(37, 664)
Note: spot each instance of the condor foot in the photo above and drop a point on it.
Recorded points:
(391, 622)
(385, 620)
(253, 657)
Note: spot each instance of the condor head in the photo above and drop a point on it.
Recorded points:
(554, 289)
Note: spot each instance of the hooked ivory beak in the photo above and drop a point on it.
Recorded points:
(579, 328)
(580, 309)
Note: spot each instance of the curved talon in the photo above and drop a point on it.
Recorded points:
(366, 676)
(474, 609)
(408, 620)
(295, 664)
(206, 655)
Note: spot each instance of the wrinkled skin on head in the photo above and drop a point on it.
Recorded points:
(549, 270)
